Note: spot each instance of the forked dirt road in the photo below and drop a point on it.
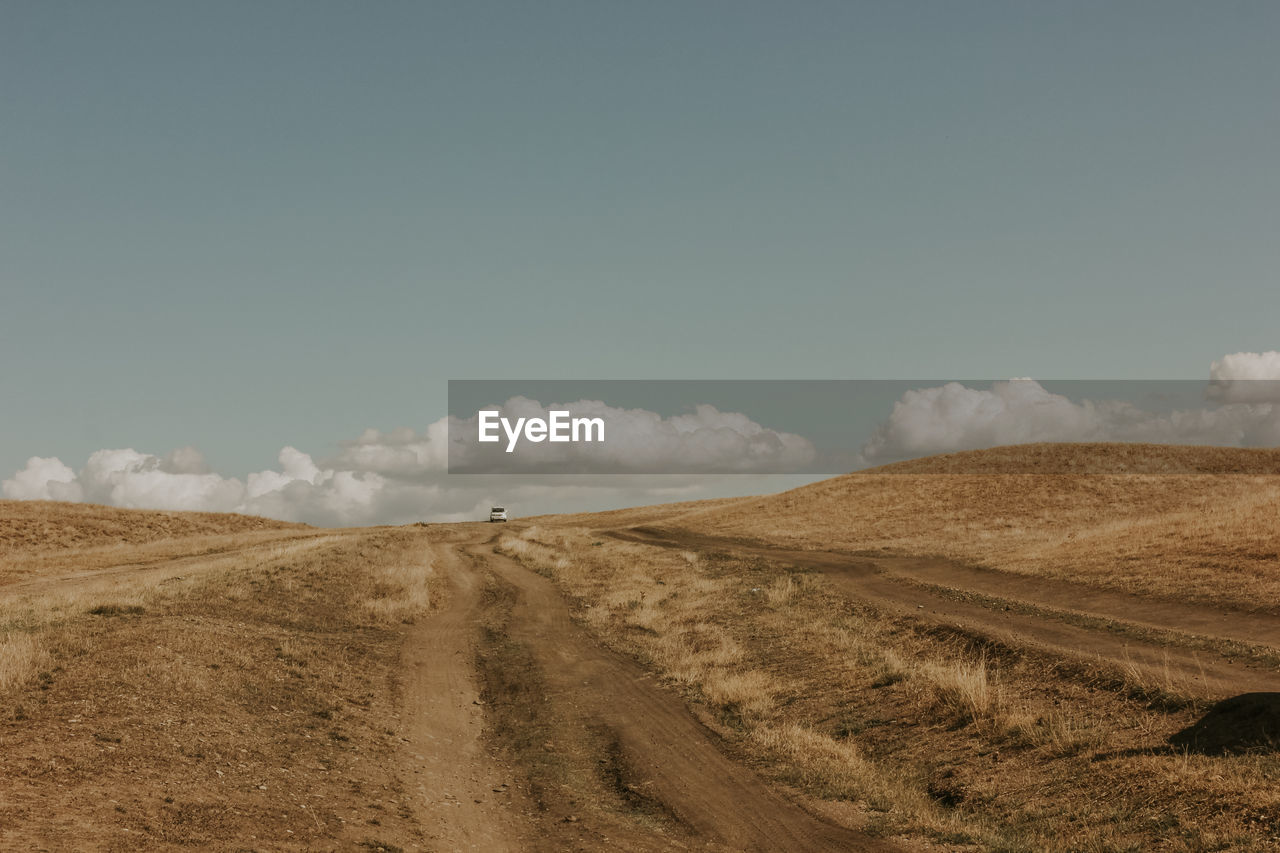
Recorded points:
(919, 587)
(648, 775)
(711, 802)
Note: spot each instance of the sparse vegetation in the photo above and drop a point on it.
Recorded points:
(190, 700)
(938, 734)
(185, 683)
(1190, 523)
(20, 658)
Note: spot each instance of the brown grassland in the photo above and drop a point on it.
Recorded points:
(242, 691)
(934, 733)
(961, 734)
(1184, 522)
(897, 653)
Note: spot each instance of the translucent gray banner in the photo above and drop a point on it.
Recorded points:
(836, 426)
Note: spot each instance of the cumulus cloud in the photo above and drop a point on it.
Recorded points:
(637, 441)
(43, 479)
(401, 452)
(401, 476)
(127, 478)
(185, 460)
(1246, 377)
(954, 417)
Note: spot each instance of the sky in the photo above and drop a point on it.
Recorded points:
(244, 226)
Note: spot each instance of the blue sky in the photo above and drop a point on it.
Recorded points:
(247, 225)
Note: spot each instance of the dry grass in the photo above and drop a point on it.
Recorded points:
(837, 769)
(689, 643)
(20, 657)
(963, 687)
(780, 591)
(401, 586)
(1189, 523)
(30, 526)
(999, 749)
(224, 697)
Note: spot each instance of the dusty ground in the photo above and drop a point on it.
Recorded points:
(288, 688)
(662, 678)
(959, 723)
(1066, 618)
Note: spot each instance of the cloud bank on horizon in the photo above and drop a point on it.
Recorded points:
(639, 442)
(401, 476)
(950, 418)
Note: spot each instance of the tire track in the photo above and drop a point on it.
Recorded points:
(673, 756)
(200, 562)
(451, 778)
(879, 580)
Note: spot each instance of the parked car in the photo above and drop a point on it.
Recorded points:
(497, 513)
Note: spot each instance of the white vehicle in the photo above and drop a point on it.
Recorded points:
(497, 513)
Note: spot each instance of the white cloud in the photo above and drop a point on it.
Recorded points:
(127, 478)
(1246, 377)
(185, 460)
(1247, 365)
(401, 452)
(953, 417)
(637, 441)
(43, 479)
(400, 476)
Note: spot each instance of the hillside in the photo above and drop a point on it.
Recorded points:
(1047, 647)
(1093, 458)
(1156, 519)
(47, 526)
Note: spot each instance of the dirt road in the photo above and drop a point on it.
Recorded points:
(991, 603)
(129, 574)
(690, 795)
(625, 764)
(456, 788)
(498, 722)
(667, 753)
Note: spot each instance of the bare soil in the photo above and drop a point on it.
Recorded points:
(661, 754)
(882, 581)
(246, 689)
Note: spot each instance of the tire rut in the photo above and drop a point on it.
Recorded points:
(202, 561)
(880, 580)
(451, 779)
(665, 749)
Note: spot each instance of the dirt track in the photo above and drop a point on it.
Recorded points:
(920, 586)
(677, 788)
(129, 574)
(673, 786)
(451, 779)
(710, 801)
(669, 758)
(667, 753)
